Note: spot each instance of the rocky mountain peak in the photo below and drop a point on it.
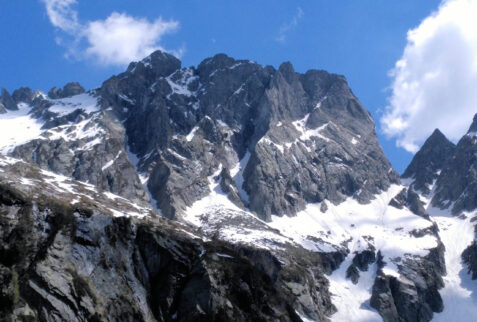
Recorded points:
(7, 100)
(70, 89)
(287, 71)
(219, 61)
(23, 94)
(457, 184)
(429, 161)
(160, 63)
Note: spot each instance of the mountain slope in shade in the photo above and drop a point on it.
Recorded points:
(457, 184)
(429, 161)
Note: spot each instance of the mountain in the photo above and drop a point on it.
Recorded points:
(444, 175)
(229, 190)
(429, 161)
(457, 186)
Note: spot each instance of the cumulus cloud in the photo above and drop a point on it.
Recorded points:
(287, 27)
(435, 81)
(121, 38)
(117, 40)
(62, 15)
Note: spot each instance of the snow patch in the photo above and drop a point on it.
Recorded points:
(352, 300)
(191, 135)
(17, 128)
(111, 162)
(460, 291)
(216, 198)
(181, 85)
(237, 174)
(65, 106)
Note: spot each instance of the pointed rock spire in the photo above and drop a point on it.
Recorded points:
(429, 161)
(7, 100)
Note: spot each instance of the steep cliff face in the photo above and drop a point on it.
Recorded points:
(71, 253)
(304, 137)
(457, 184)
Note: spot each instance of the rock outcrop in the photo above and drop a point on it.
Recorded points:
(7, 101)
(70, 89)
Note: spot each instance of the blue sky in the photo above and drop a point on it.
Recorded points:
(362, 40)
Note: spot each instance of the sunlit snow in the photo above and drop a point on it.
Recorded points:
(85, 101)
(17, 127)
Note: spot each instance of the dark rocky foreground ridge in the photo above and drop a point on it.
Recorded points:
(160, 195)
(64, 261)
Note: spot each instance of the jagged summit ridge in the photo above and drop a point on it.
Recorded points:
(237, 107)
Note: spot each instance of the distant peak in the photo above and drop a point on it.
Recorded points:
(287, 71)
(70, 89)
(473, 126)
(436, 138)
(437, 135)
(430, 158)
(286, 67)
(219, 61)
(159, 56)
(161, 63)
(7, 101)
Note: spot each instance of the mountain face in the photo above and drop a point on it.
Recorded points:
(302, 138)
(69, 253)
(457, 185)
(429, 161)
(229, 190)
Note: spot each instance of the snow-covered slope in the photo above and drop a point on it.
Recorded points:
(460, 291)
(18, 127)
(349, 227)
(23, 125)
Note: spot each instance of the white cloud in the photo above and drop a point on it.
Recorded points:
(435, 81)
(285, 28)
(121, 38)
(117, 40)
(61, 14)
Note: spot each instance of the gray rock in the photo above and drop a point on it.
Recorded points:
(457, 183)
(23, 95)
(229, 107)
(414, 296)
(58, 261)
(7, 101)
(407, 197)
(70, 89)
(101, 160)
(229, 187)
(469, 257)
(429, 161)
